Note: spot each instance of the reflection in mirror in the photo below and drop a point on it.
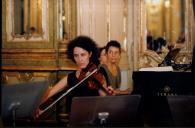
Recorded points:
(66, 20)
(27, 17)
(165, 19)
(167, 27)
(27, 20)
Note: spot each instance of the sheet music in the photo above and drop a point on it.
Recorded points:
(166, 68)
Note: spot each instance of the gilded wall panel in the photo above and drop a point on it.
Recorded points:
(42, 58)
(16, 77)
(12, 39)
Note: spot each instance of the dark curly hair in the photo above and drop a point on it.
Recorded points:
(86, 43)
(113, 43)
(100, 51)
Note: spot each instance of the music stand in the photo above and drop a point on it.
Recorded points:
(109, 111)
(182, 110)
(21, 100)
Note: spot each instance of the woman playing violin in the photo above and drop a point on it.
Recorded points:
(83, 51)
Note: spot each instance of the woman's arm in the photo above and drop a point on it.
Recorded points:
(58, 87)
(50, 92)
(55, 89)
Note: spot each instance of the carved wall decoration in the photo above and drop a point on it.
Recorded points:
(29, 59)
(4, 78)
(150, 59)
(183, 58)
(16, 77)
(25, 77)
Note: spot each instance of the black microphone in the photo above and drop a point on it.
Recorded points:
(14, 105)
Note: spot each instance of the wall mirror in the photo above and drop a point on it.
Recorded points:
(66, 19)
(168, 20)
(26, 20)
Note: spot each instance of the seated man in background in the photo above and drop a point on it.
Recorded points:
(111, 68)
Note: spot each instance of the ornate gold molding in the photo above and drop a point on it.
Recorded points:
(10, 33)
(183, 58)
(15, 77)
(25, 77)
(36, 59)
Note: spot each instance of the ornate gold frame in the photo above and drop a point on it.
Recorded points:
(11, 37)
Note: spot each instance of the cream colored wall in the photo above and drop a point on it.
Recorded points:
(103, 20)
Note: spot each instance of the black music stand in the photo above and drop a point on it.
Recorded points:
(182, 110)
(108, 111)
(21, 100)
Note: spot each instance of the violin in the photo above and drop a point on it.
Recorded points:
(95, 81)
